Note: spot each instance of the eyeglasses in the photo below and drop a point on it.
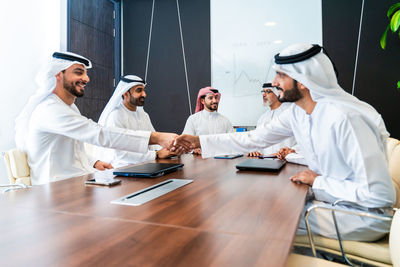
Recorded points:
(267, 91)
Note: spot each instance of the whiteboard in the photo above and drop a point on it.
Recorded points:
(245, 35)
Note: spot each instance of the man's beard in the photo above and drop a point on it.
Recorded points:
(267, 103)
(139, 102)
(290, 95)
(210, 107)
(70, 87)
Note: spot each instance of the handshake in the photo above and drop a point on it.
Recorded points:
(177, 144)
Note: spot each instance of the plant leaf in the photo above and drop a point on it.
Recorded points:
(395, 21)
(383, 38)
(398, 85)
(392, 9)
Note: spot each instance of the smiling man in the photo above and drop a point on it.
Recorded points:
(51, 130)
(342, 139)
(207, 120)
(125, 110)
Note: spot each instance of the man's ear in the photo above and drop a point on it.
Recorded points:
(301, 86)
(59, 76)
(126, 94)
(202, 101)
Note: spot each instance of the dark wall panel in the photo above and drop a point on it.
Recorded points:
(91, 25)
(167, 98)
(340, 35)
(377, 71)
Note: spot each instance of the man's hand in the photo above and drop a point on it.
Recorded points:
(163, 139)
(254, 154)
(305, 177)
(188, 142)
(165, 153)
(283, 152)
(100, 165)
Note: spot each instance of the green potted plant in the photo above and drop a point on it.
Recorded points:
(393, 15)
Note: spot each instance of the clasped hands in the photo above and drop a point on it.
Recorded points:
(178, 144)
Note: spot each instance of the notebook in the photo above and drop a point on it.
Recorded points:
(261, 165)
(148, 170)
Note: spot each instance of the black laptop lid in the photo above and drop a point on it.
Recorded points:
(148, 169)
(261, 164)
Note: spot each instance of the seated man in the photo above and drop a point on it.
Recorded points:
(206, 119)
(342, 139)
(274, 108)
(122, 111)
(51, 130)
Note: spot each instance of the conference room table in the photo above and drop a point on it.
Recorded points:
(225, 217)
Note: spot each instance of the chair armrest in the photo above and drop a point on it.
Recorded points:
(334, 208)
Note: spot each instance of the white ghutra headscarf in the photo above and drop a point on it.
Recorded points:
(46, 81)
(317, 73)
(126, 83)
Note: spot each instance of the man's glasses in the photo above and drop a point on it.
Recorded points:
(267, 91)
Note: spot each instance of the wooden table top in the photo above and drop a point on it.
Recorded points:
(224, 218)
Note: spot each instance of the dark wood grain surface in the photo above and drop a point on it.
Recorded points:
(224, 218)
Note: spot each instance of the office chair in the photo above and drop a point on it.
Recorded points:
(394, 246)
(17, 167)
(374, 253)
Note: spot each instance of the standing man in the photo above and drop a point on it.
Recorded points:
(342, 139)
(124, 110)
(274, 109)
(51, 130)
(206, 119)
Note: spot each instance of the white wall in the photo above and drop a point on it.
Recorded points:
(245, 35)
(30, 31)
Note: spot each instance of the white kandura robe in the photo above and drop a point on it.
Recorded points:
(133, 120)
(205, 122)
(266, 118)
(55, 141)
(338, 145)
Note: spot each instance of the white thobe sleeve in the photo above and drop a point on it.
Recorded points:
(232, 143)
(370, 183)
(150, 126)
(64, 121)
(121, 156)
(189, 127)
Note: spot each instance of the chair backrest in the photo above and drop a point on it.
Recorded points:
(17, 166)
(394, 240)
(393, 155)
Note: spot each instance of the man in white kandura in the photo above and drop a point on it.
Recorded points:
(124, 110)
(342, 139)
(274, 109)
(206, 119)
(51, 130)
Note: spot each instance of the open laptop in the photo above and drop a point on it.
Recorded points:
(148, 170)
(261, 165)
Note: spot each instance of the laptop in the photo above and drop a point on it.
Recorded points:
(148, 170)
(261, 165)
